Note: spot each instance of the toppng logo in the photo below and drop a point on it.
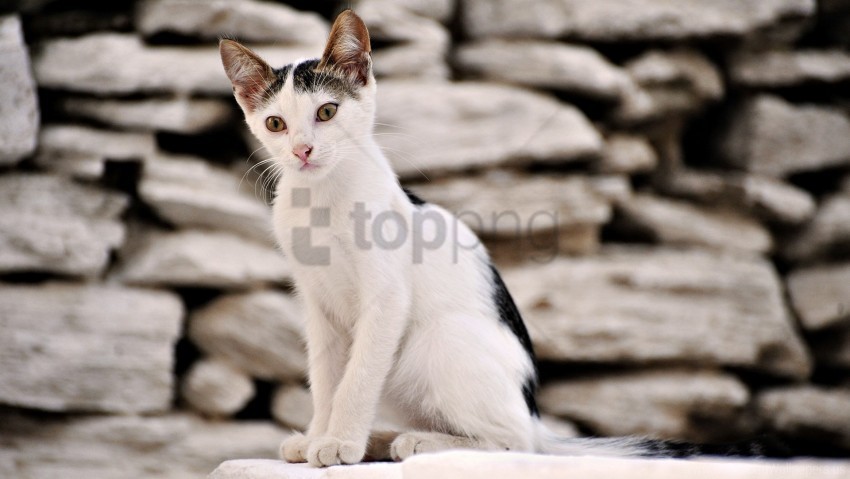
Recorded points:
(427, 229)
(303, 249)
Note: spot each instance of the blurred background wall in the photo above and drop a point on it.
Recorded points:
(666, 186)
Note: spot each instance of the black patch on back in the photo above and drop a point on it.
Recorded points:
(417, 201)
(306, 79)
(510, 317)
(529, 391)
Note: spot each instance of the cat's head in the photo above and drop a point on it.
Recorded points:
(308, 114)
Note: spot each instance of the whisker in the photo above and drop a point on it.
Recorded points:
(247, 172)
(389, 125)
(252, 154)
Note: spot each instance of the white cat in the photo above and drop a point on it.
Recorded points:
(397, 314)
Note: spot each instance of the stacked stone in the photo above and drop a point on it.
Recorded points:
(109, 239)
(665, 187)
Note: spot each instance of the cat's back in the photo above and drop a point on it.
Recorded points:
(449, 264)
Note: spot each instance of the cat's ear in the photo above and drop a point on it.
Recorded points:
(248, 73)
(348, 51)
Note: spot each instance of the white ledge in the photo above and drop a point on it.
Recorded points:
(504, 465)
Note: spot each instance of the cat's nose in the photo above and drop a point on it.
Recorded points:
(302, 151)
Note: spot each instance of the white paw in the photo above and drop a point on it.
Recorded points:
(408, 444)
(330, 451)
(294, 448)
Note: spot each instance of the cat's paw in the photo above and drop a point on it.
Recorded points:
(410, 443)
(330, 451)
(294, 448)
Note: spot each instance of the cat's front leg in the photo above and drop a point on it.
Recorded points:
(326, 356)
(378, 332)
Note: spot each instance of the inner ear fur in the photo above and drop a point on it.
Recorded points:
(348, 51)
(249, 74)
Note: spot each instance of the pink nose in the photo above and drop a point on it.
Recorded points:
(302, 151)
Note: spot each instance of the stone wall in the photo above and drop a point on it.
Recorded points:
(666, 187)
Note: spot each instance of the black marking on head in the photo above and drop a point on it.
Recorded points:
(280, 78)
(417, 201)
(510, 317)
(275, 86)
(307, 78)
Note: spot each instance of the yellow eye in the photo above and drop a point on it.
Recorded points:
(275, 123)
(326, 112)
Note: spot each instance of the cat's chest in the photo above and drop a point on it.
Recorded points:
(321, 249)
(303, 232)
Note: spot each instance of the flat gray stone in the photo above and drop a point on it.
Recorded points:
(628, 20)
(75, 141)
(19, 114)
(74, 246)
(660, 67)
(260, 333)
(807, 412)
(505, 204)
(43, 194)
(665, 83)
(544, 246)
(775, 200)
(247, 20)
(657, 403)
(426, 127)
(51, 224)
(681, 223)
(87, 64)
(413, 46)
(627, 154)
(827, 232)
(525, 217)
(84, 166)
(189, 192)
(174, 446)
(201, 258)
(179, 115)
(69, 347)
(614, 188)
(411, 60)
(441, 10)
(215, 388)
(769, 198)
(572, 68)
(643, 305)
(770, 136)
(784, 68)
(821, 295)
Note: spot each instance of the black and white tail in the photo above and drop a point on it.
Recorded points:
(646, 447)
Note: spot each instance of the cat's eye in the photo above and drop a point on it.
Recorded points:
(275, 123)
(326, 112)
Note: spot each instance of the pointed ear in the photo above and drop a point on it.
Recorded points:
(248, 73)
(348, 51)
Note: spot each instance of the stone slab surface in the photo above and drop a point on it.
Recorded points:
(483, 465)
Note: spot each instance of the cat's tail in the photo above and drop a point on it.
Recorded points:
(633, 446)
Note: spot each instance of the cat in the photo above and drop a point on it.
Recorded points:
(430, 331)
